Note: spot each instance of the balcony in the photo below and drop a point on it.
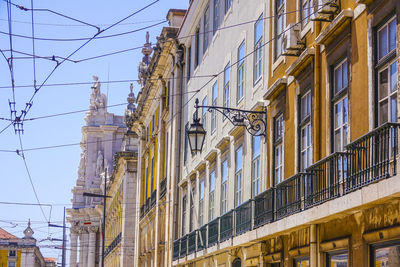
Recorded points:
(288, 196)
(192, 242)
(183, 248)
(163, 187)
(226, 226)
(213, 232)
(202, 238)
(263, 208)
(113, 245)
(153, 198)
(175, 252)
(369, 159)
(243, 217)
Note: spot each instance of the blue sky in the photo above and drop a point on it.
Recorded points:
(54, 171)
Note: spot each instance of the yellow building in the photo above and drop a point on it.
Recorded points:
(156, 126)
(121, 205)
(20, 252)
(321, 187)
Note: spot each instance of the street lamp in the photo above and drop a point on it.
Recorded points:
(255, 123)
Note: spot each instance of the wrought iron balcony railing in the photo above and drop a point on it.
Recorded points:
(192, 242)
(288, 195)
(264, 208)
(226, 226)
(175, 251)
(153, 198)
(369, 159)
(213, 232)
(243, 217)
(163, 187)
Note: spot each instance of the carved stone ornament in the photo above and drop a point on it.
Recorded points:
(99, 164)
(93, 229)
(97, 99)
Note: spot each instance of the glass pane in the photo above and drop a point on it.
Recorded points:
(345, 135)
(258, 30)
(393, 77)
(201, 189)
(338, 79)
(382, 42)
(212, 181)
(338, 114)
(345, 110)
(338, 141)
(227, 73)
(238, 157)
(383, 84)
(303, 138)
(388, 256)
(241, 53)
(392, 35)
(215, 91)
(302, 262)
(345, 74)
(256, 146)
(383, 112)
(393, 108)
(224, 170)
(338, 260)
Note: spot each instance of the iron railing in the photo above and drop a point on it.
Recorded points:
(243, 217)
(202, 238)
(288, 196)
(147, 206)
(153, 198)
(226, 226)
(142, 208)
(372, 156)
(183, 248)
(175, 251)
(113, 245)
(324, 178)
(163, 187)
(192, 242)
(368, 159)
(264, 207)
(213, 232)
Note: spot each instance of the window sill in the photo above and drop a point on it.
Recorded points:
(281, 59)
(307, 28)
(335, 27)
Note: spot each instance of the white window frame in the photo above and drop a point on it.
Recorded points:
(214, 103)
(280, 19)
(305, 131)
(224, 186)
(238, 176)
(211, 196)
(306, 7)
(201, 202)
(226, 92)
(278, 149)
(206, 28)
(256, 168)
(258, 51)
(184, 206)
(240, 73)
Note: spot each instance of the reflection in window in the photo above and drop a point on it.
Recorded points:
(302, 262)
(387, 256)
(337, 259)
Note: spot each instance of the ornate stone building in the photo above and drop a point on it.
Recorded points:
(21, 252)
(102, 137)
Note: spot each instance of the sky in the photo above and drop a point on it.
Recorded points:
(53, 171)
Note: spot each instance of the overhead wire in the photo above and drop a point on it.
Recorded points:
(33, 47)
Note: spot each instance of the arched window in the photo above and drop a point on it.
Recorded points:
(237, 262)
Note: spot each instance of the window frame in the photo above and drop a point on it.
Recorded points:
(329, 254)
(278, 143)
(183, 219)
(201, 202)
(191, 208)
(305, 123)
(279, 13)
(380, 245)
(255, 161)
(197, 48)
(189, 61)
(258, 51)
(226, 90)
(305, 19)
(206, 28)
(211, 196)
(214, 103)
(238, 199)
(241, 74)
(224, 186)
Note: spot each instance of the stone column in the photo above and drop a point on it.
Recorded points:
(313, 246)
(81, 245)
(74, 246)
(92, 246)
(84, 244)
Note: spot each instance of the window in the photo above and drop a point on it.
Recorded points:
(258, 45)
(386, 254)
(306, 9)
(237, 262)
(211, 196)
(238, 175)
(12, 253)
(255, 166)
(184, 215)
(227, 5)
(216, 15)
(153, 122)
(214, 103)
(278, 149)
(204, 113)
(12, 264)
(147, 182)
(224, 185)
(197, 48)
(147, 134)
(189, 62)
(279, 26)
(201, 201)
(226, 86)
(152, 175)
(166, 155)
(240, 73)
(305, 131)
(191, 220)
(206, 24)
(302, 262)
(387, 72)
(337, 259)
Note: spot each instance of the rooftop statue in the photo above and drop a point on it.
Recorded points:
(97, 99)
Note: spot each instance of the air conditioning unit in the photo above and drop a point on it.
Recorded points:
(292, 43)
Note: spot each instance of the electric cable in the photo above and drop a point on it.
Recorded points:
(33, 47)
